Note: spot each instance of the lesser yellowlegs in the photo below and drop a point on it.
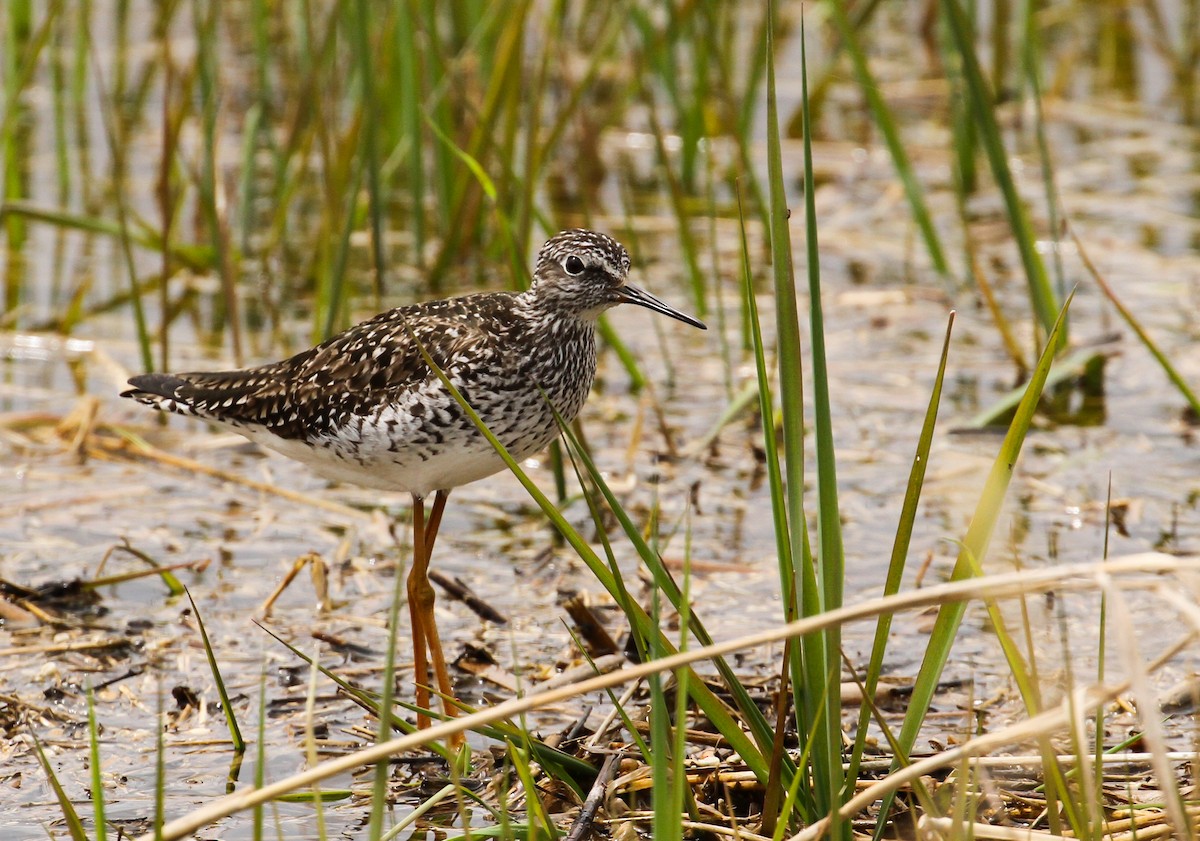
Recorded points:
(365, 407)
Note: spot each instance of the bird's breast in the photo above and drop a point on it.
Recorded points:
(421, 439)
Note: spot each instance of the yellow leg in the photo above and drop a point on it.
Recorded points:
(435, 520)
(421, 597)
(417, 575)
(432, 637)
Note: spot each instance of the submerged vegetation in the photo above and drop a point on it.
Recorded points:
(192, 179)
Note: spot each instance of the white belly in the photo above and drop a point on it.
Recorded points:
(375, 467)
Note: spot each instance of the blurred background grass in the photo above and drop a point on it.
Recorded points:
(213, 170)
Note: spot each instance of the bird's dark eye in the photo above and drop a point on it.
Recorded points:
(573, 265)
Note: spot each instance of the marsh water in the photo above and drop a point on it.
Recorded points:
(1128, 175)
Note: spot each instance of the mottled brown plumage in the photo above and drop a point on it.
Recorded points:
(365, 407)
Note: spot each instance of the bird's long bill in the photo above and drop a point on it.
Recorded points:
(630, 294)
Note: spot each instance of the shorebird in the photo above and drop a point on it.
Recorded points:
(365, 406)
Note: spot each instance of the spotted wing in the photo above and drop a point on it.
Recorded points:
(314, 392)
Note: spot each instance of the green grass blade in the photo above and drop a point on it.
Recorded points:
(599, 53)
(1159, 356)
(160, 767)
(783, 545)
(507, 29)
(114, 133)
(749, 96)
(19, 55)
(370, 106)
(408, 83)
(310, 738)
(882, 116)
(70, 816)
(471, 162)
(975, 544)
(379, 791)
(665, 825)
(801, 579)
(787, 325)
(235, 732)
(681, 793)
(335, 284)
(766, 411)
(173, 584)
(96, 769)
(827, 730)
(198, 258)
(205, 23)
(260, 753)
(539, 822)
(1031, 69)
(757, 723)
(982, 103)
(1099, 714)
(900, 546)
(23, 49)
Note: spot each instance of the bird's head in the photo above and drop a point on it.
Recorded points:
(587, 272)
